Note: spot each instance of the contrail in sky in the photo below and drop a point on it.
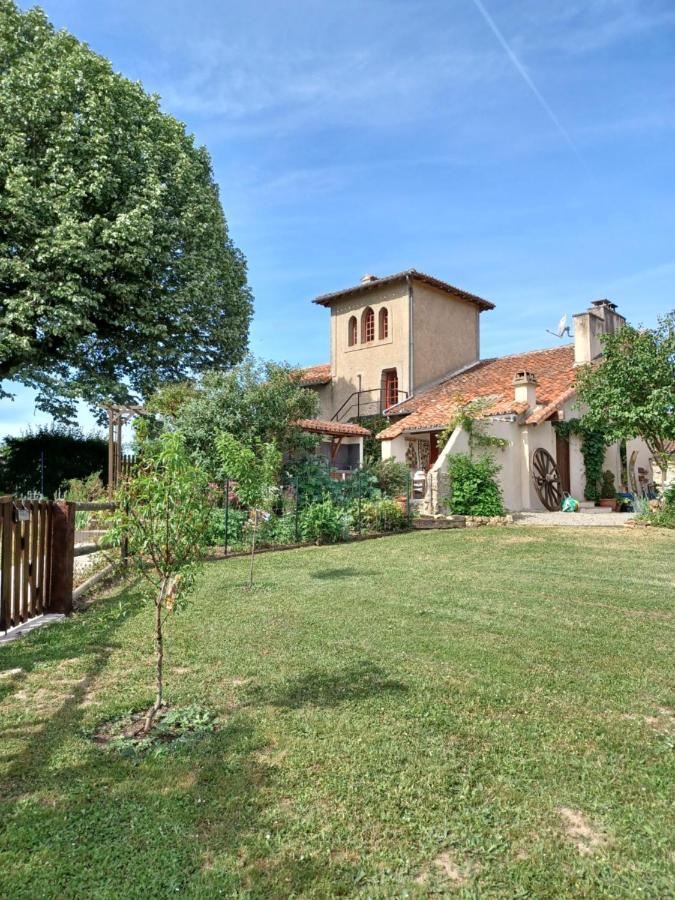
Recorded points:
(490, 22)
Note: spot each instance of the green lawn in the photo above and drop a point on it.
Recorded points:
(488, 712)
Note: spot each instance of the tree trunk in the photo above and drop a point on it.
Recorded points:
(159, 645)
(255, 526)
(662, 460)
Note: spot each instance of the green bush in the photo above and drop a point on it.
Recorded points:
(236, 519)
(276, 530)
(68, 454)
(89, 489)
(383, 515)
(392, 477)
(474, 490)
(324, 523)
(360, 484)
(607, 487)
(665, 516)
(313, 481)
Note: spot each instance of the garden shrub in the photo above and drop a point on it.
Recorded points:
(324, 523)
(607, 486)
(276, 530)
(89, 489)
(236, 519)
(392, 477)
(383, 515)
(474, 490)
(360, 484)
(665, 516)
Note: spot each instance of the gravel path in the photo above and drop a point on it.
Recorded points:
(597, 520)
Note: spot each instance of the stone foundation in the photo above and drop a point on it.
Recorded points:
(427, 523)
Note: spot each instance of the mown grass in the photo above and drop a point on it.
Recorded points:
(485, 712)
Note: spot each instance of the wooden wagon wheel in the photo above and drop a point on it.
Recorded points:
(547, 481)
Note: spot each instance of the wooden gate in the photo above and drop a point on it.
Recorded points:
(25, 560)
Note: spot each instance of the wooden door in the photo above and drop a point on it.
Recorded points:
(562, 458)
(433, 448)
(390, 388)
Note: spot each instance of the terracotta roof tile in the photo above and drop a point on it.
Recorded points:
(540, 415)
(433, 408)
(313, 375)
(335, 429)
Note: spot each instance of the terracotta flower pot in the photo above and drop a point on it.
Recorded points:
(402, 502)
(609, 502)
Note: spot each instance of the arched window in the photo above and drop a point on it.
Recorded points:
(384, 324)
(368, 326)
(352, 332)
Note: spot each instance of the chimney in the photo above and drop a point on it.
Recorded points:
(525, 384)
(367, 279)
(600, 319)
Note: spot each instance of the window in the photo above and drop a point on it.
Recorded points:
(390, 388)
(368, 328)
(384, 323)
(352, 332)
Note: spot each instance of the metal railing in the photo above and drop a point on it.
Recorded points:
(368, 402)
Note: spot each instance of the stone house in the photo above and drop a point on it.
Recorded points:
(408, 346)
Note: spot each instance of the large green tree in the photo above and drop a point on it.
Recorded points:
(631, 393)
(116, 268)
(257, 401)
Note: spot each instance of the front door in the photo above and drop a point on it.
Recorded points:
(562, 458)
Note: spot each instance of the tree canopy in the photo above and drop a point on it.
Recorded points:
(631, 393)
(117, 271)
(257, 401)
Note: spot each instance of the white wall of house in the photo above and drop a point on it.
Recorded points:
(395, 449)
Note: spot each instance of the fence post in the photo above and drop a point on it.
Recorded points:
(6, 563)
(125, 540)
(409, 511)
(227, 510)
(60, 599)
(297, 509)
(359, 501)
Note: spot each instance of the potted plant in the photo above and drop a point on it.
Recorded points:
(607, 490)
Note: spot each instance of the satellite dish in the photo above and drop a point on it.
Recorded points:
(563, 328)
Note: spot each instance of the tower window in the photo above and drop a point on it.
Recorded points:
(352, 332)
(384, 324)
(368, 330)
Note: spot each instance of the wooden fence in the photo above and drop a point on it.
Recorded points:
(37, 550)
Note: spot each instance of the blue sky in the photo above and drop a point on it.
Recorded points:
(524, 151)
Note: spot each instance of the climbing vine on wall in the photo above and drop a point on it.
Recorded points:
(469, 418)
(593, 445)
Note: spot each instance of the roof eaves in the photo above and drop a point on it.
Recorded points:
(327, 299)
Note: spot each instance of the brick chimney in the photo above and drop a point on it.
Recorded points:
(525, 384)
(600, 319)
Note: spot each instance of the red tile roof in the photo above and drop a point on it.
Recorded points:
(327, 299)
(433, 408)
(313, 375)
(335, 429)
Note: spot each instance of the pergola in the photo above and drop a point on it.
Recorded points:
(118, 415)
